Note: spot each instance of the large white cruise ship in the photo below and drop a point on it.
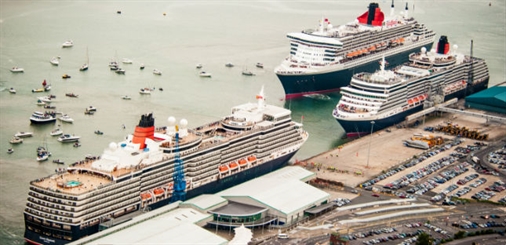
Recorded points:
(386, 97)
(324, 59)
(156, 166)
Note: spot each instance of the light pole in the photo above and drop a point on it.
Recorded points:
(370, 140)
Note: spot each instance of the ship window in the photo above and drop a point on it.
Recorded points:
(66, 227)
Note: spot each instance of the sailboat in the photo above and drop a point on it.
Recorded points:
(85, 66)
(43, 152)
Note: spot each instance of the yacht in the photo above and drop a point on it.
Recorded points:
(65, 138)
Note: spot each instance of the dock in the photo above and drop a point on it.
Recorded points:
(364, 158)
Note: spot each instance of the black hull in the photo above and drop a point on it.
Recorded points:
(210, 188)
(360, 128)
(299, 85)
(42, 122)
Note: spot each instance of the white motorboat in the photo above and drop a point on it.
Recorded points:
(66, 118)
(91, 108)
(67, 44)
(145, 91)
(10, 150)
(142, 67)
(40, 103)
(55, 61)
(198, 66)
(260, 65)
(68, 138)
(84, 67)
(12, 91)
(157, 72)
(120, 71)
(205, 74)
(16, 69)
(246, 72)
(45, 99)
(16, 140)
(126, 97)
(56, 132)
(22, 134)
(43, 117)
(127, 61)
(42, 154)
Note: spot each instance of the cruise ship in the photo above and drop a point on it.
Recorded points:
(324, 59)
(147, 169)
(374, 101)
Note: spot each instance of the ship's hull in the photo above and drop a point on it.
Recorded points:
(42, 121)
(213, 187)
(325, 82)
(355, 128)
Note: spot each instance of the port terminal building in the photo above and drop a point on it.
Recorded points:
(492, 99)
(279, 199)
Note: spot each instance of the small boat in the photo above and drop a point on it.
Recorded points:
(46, 99)
(58, 161)
(56, 132)
(40, 102)
(76, 144)
(247, 73)
(161, 89)
(113, 63)
(114, 68)
(71, 95)
(126, 97)
(127, 61)
(91, 108)
(16, 140)
(67, 44)
(55, 61)
(99, 132)
(157, 72)
(145, 91)
(229, 64)
(142, 67)
(65, 76)
(86, 112)
(84, 67)
(38, 117)
(118, 12)
(120, 71)
(37, 90)
(204, 74)
(42, 154)
(12, 91)
(16, 69)
(68, 138)
(10, 150)
(66, 118)
(23, 134)
(260, 65)
(46, 106)
(198, 66)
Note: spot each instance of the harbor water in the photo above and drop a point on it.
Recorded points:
(173, 37)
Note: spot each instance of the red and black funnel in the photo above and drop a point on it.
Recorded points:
(443, 46)
(372, 17)
(145, 129)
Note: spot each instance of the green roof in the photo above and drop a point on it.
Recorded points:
(494, 97)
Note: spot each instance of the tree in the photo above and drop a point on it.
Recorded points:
(424, 239)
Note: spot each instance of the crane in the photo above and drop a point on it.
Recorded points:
(179, 193)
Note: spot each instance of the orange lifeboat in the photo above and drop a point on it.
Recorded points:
(401, 40)
(145, 196)
(158, 191)
(410, 101)
(372, 48)
(350, 54)
(252, 158)
(233, 165)
(171, 185)
(223, 169)
(243, 162)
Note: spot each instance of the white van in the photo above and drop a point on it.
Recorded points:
(282, 236)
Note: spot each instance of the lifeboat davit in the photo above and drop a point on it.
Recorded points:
(171, 185)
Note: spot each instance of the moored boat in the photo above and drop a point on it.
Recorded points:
(38, 117)
(65, 76)
(16, 140)
(157, 72)
(23, 134)
(65, 138)
(374, 101)
(72, 95)
(323, 59)
(58, 161)
(56, 132)
(10, 150)
(204, 74)
(12, 91)
(113, 190)
(66, 118)
(16, 69)
(67, 44)
(55, 61)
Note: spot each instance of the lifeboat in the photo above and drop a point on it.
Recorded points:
(365, 51)
(410, 101)
(350, 55)
(223, 169)
(233, 165)
(158, 191)
(252, 158)
(145, 196)
(401, 40)
(415, 99)
(372, 48)
(243, 162)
